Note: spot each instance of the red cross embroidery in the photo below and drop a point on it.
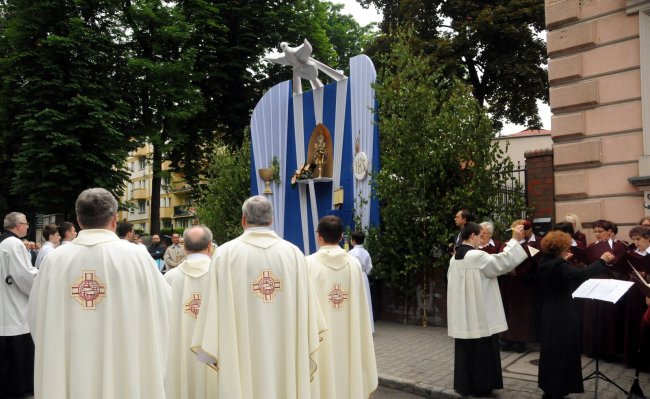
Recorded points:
(193, 304)
(266, 286)
(337, 296)
(88, 290)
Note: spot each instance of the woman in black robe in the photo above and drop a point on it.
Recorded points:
(560, 370)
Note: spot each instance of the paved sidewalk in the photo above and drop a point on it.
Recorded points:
(421, 360)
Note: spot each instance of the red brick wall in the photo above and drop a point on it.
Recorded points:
(540, 183)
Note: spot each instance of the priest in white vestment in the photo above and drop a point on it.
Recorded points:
(348, 369)
(475, 312)
(259, 326)
(187, 378)
(98, 313)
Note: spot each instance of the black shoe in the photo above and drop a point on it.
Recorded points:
(520, 347)
(506, 346)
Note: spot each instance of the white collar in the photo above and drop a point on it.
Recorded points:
(491, 242)
(197, 256)
(258, 228)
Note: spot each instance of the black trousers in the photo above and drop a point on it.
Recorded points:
(477, 365)
(16, 366)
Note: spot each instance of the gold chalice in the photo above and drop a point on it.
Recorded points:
(266, 174)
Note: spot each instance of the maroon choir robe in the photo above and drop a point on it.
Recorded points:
(580, 239)
(635, 307)
(602, 322)
(492, 247)
(519, 291)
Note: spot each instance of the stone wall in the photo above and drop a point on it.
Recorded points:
(595, 96)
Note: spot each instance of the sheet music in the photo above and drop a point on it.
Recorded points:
(608, 290)
(533, 251)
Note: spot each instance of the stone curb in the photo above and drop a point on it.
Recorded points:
(426, 391)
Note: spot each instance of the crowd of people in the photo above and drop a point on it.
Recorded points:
(505, 296)
(99, 314)
(252, 318)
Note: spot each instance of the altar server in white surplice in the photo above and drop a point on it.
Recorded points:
(362, 255)
(98, 313)
(186, 377)
(348, 369)
(259, 324)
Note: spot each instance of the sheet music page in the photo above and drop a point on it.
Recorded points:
(608, 290)
(585, 289)
(533, 251)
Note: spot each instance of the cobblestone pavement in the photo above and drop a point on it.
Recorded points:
(421, 361)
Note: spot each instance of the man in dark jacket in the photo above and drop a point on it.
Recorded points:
(157, 251)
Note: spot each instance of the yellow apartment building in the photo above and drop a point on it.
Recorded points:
(176, 209)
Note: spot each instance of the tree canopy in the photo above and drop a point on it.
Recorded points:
(62, 114)
(84, 82)
(493, 45)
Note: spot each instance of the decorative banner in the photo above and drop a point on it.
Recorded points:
(281, 128)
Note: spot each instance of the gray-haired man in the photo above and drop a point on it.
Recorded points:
(261, 316)
(187, 378)
(98, 313)
(16, 279)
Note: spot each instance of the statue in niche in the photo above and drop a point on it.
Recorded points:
(320, 154)
(320, 151)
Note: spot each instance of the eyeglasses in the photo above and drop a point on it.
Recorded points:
(25, 223)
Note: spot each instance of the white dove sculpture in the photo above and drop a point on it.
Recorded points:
(304, 67)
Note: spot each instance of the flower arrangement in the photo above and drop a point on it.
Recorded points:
(305, 172)
(275, 164)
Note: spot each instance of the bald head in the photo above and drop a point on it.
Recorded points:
(197, 239)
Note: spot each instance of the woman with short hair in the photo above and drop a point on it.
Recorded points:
(560, 370)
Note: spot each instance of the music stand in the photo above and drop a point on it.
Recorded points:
(601, 290)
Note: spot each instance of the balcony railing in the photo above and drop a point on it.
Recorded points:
(166, 213)
(140, 194)
(180, 186)
(184, 211)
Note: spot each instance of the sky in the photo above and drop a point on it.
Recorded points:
(366, 16)
(362, 15)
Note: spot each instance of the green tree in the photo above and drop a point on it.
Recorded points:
(62, 117)
(491, 44)
(437, 155)
(226, 188)
(161, 90)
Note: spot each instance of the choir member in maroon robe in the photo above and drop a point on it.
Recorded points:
(639, 258)
(605, 338)
(577, 249)
(487, 242)
(578, 235)
(519, 294)
(620, 247)
(644, 349)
